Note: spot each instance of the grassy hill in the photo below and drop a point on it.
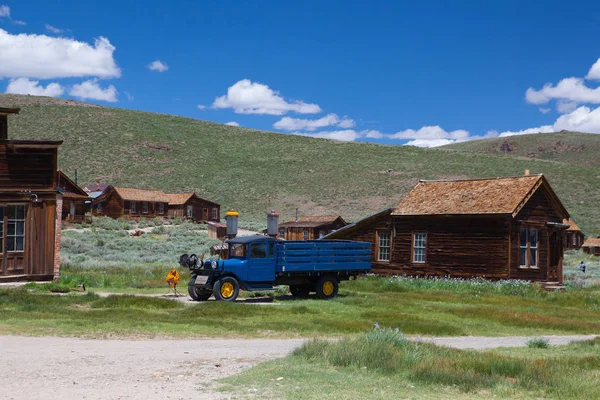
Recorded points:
(566, 147)
(255, 171)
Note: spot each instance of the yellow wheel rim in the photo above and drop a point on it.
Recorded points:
(227, 290)
(327, 288)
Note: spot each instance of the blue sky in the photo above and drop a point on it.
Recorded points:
(380, 71)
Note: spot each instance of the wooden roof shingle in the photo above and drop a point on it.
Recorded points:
(178, 199)
(504, 195)
(572, 225)
(131, 194)
(591, 242)
(313, 221)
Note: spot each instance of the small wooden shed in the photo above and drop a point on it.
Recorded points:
(76, 202)
(310, 227)
(592, 246)
(30, 207)
(216, 230)
(193, 207)
(502, 228)
(574, 236)
(131, 203)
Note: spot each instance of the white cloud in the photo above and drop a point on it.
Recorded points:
(430, 133)
(4, 11)
(583, 119)
(92, 90)
(294, 124)
(565, 107)
(594, 72)
(27, 86)
(129, 96)
(158, 66)
(545, 110)
(201, 107)
(541, 129)
(246, 97)
(232, 123)
(429, 142)
(17, 22)
(345, 135)
(45, 57)
(53, 29)
(572, 89)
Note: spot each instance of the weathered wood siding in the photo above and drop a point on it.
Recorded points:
(297, 232)
(27, 168)
(201, 210)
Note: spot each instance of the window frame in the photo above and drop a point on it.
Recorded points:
(189, 211)
(388, 247)
(133, 207)
(99, 208)
(413, 247)
(282, 233)
(16, 221)
(161, 208)
(145, 207)
(304, 235)
(253, 256)
(215, 214)
(527, 248)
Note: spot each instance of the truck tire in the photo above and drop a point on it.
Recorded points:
(197, 294)
(300, 291)
(226, 289)
(327, 287)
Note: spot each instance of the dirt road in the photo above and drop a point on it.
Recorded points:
(71, 368)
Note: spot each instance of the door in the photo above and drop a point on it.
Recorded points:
(72, 210)
(12, 240)
(555, 259)
(261, 264)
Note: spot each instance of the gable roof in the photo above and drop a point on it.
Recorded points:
(591, 242)
(131, 194)
(313, 221)
(340, 233)
(71, 189)
(572, 225)
(504, 195)
(178, 199)
(100, 187)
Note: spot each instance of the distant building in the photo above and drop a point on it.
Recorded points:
(30, 207)
(130, 203)
(76, 202)
(574, 236)
(216, 230)
(503, 228)
(592, 246)
(310, 227)
(191, 206)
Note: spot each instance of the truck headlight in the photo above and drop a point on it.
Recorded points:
(213, 265)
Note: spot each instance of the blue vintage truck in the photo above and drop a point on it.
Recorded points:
(262, 262)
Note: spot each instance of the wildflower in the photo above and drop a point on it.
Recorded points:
(376, 325)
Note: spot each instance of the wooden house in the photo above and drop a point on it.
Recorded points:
(191, 206)
(502, 228)
(310, 227)
(76, 203)
(133, 204)
(574, 236)
(592, 246)
(30, 207)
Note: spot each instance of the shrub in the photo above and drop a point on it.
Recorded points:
(538, 343)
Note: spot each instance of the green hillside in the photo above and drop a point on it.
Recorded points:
(567, 147)
(254, 171)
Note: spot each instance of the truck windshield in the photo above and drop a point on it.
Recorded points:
(237, 250)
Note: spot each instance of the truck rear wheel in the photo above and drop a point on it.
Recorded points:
(226, 289)
(327, 287)
(300, 291)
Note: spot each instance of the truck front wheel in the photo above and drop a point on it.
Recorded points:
(197, 294)
(226, 289)
(327, 287)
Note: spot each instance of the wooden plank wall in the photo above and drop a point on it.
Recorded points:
(22, 169)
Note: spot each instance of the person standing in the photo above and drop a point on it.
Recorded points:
(582, 267)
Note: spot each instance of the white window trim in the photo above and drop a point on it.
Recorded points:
(161, 208)
(413, 248)
(215, 214)
(133, 208)
(528, 249)
(389, 246)
(145, 207)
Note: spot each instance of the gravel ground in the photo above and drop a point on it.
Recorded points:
(71, 368)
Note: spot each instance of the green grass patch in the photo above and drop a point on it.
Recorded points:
(383, 364)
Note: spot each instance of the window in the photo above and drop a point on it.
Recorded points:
(133, 207)
(99, 208)
(15, 230)
(383, 242)
(419, 246)
(258, 250)
(282, 233)
(305, 235)
(528, 247)
(237, 250)
(215, 213)
(574, 240)
(145, 207)
(190, 211)
(161, 208)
